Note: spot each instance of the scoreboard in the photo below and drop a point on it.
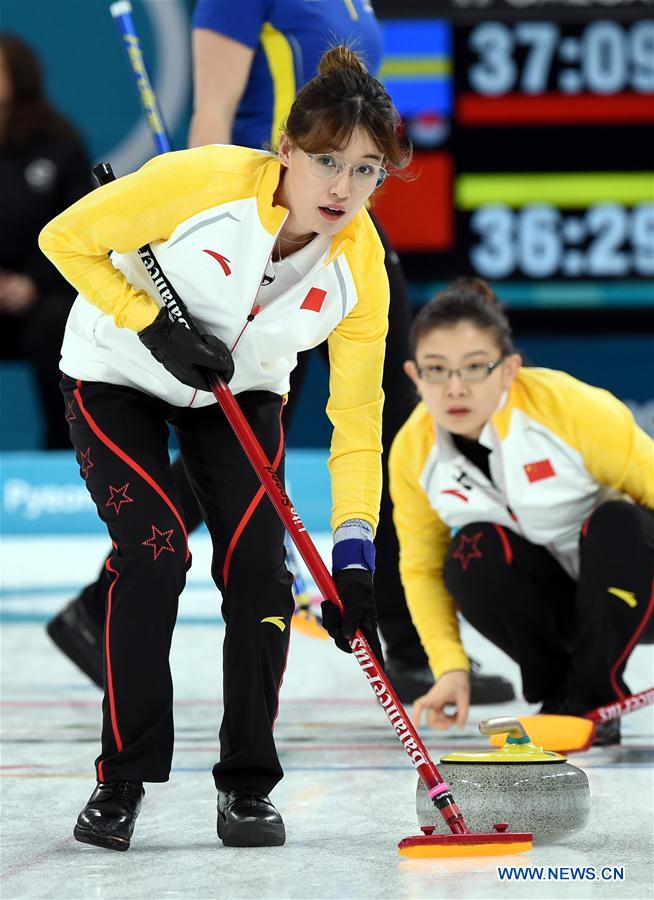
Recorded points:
(533, 132)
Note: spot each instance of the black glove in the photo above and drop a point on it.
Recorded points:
(185, 353)
(356, 590)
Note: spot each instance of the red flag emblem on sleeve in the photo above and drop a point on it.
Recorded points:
(314, 300)
(537, 471)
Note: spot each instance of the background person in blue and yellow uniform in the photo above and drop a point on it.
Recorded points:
(217, 218)
(520, 498)
(250, 59)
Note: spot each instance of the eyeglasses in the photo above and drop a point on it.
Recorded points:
(366, 176)
(469, 374)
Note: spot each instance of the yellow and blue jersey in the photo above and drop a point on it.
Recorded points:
(288, 38)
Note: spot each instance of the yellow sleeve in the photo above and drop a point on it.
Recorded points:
(123, 216)
(617, 452)
(423, 539)
(356, 360)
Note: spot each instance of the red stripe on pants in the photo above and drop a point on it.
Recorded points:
(249, 512)
(632, 641)
(106, 440)
(508, 552)
(107, 650)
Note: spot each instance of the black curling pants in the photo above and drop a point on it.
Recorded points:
(570, 639)
(121, 440)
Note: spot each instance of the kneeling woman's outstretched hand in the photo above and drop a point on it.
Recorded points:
(451, 689)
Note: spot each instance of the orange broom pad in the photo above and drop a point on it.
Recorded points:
(564, 734)
(464, 845)
(307, 624)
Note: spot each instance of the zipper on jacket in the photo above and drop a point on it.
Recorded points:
(503, 492)
(514, 518)
(256, 309)
(253, 312)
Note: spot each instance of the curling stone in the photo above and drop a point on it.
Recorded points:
(528, 788)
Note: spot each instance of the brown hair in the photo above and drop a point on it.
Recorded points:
(30, 112)
(466, 300)
(342, 97)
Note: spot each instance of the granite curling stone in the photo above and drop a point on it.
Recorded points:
(528, 788)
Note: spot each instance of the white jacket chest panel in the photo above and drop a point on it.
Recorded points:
(542, 479)
(547, 482)
(459, 492)
(215, 261)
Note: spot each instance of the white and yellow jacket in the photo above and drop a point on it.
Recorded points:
(210, 218)
(559, 448)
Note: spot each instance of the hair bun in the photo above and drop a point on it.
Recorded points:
(341, 57)
(479, 287)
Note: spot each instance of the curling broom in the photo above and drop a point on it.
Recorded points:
(573, 734)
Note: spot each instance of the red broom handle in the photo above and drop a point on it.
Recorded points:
(620, 707)
(388, 700)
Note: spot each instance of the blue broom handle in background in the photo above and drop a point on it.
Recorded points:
(122, 13)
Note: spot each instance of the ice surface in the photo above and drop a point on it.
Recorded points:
(349, 792)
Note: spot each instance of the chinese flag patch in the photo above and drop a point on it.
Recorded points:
(537, 471)
(314, 300)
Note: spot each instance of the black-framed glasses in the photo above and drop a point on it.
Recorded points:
(470, 374)
(366, 176)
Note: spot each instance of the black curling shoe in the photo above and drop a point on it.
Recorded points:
(247, 818)
(77, 635)
(607, 733)
(108, 818)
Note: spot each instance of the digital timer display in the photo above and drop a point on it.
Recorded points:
(549, 151)
(603, 57)
(542, 241)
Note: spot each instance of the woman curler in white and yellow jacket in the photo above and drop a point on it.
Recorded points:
(523, 499)
(272, 254)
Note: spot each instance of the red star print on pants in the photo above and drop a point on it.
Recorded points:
(159, 541)
(118, 496)
(86, 463)
(468, 550)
